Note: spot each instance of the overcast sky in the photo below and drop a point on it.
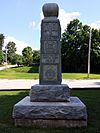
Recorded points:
(20, 19)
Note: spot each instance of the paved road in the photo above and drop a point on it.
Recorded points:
(7, 84)
(8, 66)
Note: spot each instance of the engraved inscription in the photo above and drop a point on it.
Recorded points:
(50, 46)
(50, 72)
(50, 58)
(50, 31)
(50, 34)
(54, 33)
(50, 26)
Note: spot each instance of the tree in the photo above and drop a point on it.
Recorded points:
(27, 56)
(19, 60)
(36, 56)
(74, 48)
(11, 52)
(1, 57)
(1, 41)
(71, 41)
(83, 51)
(1, 45)
(95, 51)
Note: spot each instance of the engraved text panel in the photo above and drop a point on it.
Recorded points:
(50, 46)
(50, 58)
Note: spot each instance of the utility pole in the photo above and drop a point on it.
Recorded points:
(89, 52)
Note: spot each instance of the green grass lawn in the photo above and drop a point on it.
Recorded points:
(90, 97)
(79, 76)
(18, 73)
(24, 73)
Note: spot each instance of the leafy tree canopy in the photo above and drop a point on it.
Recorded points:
(36, 56)
(74, 42)
(11, 52)
(1, 41)
(27, 56)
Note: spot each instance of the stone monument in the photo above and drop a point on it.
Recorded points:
(49, 103)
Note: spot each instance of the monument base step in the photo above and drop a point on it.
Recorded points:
(50, 93)
(40, 123)
(50, 114)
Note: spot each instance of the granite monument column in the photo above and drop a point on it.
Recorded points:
(50, 62)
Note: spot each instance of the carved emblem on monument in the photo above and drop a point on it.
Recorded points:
(50, 72)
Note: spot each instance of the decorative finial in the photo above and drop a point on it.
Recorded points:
(50, 10)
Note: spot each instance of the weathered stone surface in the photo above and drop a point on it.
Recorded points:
(73, 110)
(50, 30)
(49, 93)
(40, 123)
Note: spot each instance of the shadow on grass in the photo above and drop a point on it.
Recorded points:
(97, 83)
(7, 100)
(90, 97)
(34, 69)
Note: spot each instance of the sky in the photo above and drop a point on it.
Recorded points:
(20, 19)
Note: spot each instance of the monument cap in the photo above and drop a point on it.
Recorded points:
(50, 10)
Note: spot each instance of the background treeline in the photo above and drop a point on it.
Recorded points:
(74, 50)
(75, 42)
(29, 57)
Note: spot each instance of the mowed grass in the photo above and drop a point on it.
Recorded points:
(18, 73)
(90, 97)
(24, 73)
(79, 76)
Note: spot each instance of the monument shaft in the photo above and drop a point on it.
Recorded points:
(50, 61)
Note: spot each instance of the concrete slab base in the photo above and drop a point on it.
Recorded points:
(50, 114)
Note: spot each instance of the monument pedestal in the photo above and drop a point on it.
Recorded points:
(50, 114)
(50, 106)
